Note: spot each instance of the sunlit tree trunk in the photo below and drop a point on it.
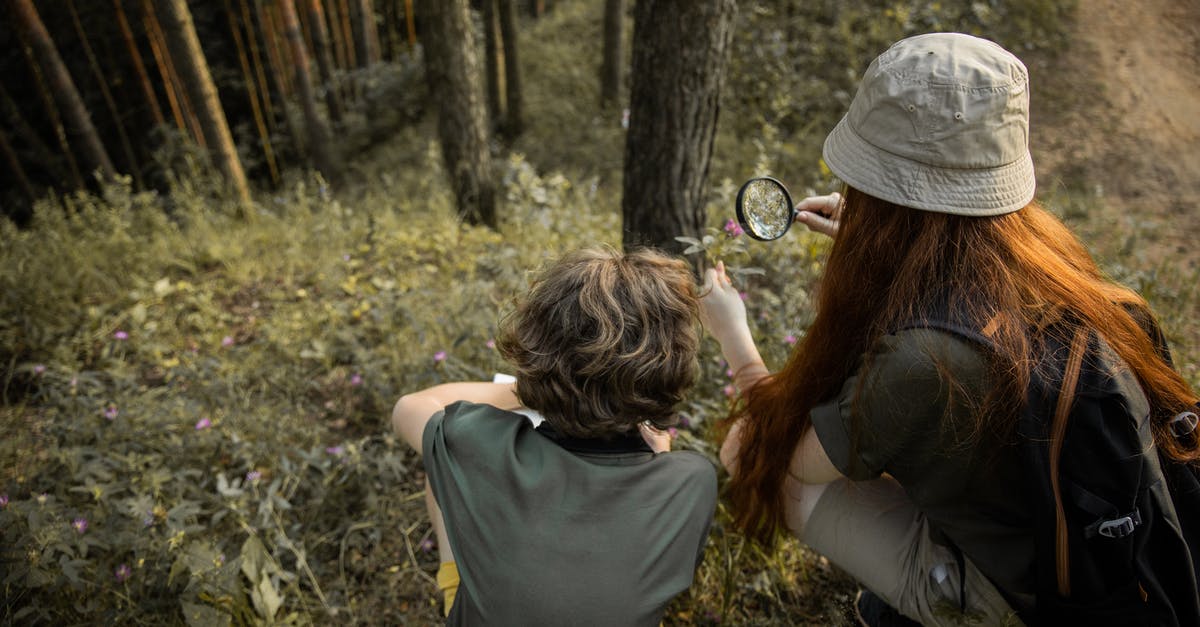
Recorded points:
(79, 121)
(193, 70)
(279, 72)
(369, 42)
(452, 70)
(614, 56)
(260, 124)
(318, 133)
(138, 67)
(514, 121)
(680, 52)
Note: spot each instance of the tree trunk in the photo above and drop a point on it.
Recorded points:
(369, 42)
(320, 39)
(680, 52)
(264, 136)
(614, 56)
(79, 122)
(51, 111)
(452, 70)
(318, 133)
(138, 67)
(38, 152)
(280, 77)
(176, 98)
(193, 70)
(102, 83)
(514, 122)
(18, 173)
(491, 61)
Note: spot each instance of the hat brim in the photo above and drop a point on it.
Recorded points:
(960, 191)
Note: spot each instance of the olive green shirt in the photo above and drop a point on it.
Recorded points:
(911, 418)
(553, 531)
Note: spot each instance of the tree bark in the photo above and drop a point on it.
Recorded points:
(514, 121)
(491, 61)
(369, 42)
(193, 70)
(138, 67)
(264, 137)
(318, 133)
(613, 56)
(320, 39)
(79, 121)
(452, 70)
(680, 53)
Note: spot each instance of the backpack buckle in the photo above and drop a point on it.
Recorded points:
(1119, 527)
(1184, 423)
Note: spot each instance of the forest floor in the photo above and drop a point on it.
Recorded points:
(1120, 113)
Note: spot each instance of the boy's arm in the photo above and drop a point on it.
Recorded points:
(413, 411)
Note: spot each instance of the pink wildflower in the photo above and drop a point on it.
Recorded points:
(743, 295)
(253, 476)
(80, 525)
(122, 573)
(789, 338)
(111, 412)
(335, 450)
(39, 369)
(356, 380)
(426, 545)
(227, 341)
(732, 228)
(729, 390)
(729, 372)
(203, 424)
(491, 344)
(121, 335)
(3, 501)
(672, 431)
(439, 356)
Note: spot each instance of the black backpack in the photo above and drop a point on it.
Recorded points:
(1117, 526)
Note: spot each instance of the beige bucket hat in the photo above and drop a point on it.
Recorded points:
(940, 123)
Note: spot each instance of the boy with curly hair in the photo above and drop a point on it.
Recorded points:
(586, 518)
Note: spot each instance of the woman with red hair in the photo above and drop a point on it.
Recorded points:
(889, 445)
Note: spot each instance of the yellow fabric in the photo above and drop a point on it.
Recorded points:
(447, 582)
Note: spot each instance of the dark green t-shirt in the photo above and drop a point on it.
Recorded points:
(912, 420)
(561, 532)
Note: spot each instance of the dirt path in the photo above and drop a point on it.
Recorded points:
(1130, 130)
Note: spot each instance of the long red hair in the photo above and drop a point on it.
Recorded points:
(1015, 274)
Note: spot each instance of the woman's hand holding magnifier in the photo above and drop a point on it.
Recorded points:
(820, 213)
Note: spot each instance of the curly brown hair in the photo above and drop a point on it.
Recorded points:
(605, 340)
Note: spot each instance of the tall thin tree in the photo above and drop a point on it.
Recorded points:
(256, 109)
(514, 117)
(613, 57)
(139, 68)
(79, 121)
(452, 70)
(491, 60)
(369, 42)
(325, 69)
(318, 132)
(102, 84)
(193, 69)
(680, 54)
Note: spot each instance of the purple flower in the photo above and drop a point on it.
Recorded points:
(80, 525)
(789, 338)
(111, 412)
(426, 545)
(121, 335)
(203, 424)
(743, 295)
(346, 257)
(335, 450)
(39, 369)
(122, 573)
(729, 390)
(684, 422)
(491, 343)
(732, 228)
(227, 341)
(672, 431)
(3, 501)
(729, 372)
(149, 519)
(356, 380)
(439, 356)
(253, 476)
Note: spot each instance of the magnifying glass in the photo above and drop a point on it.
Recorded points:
(765, 209)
